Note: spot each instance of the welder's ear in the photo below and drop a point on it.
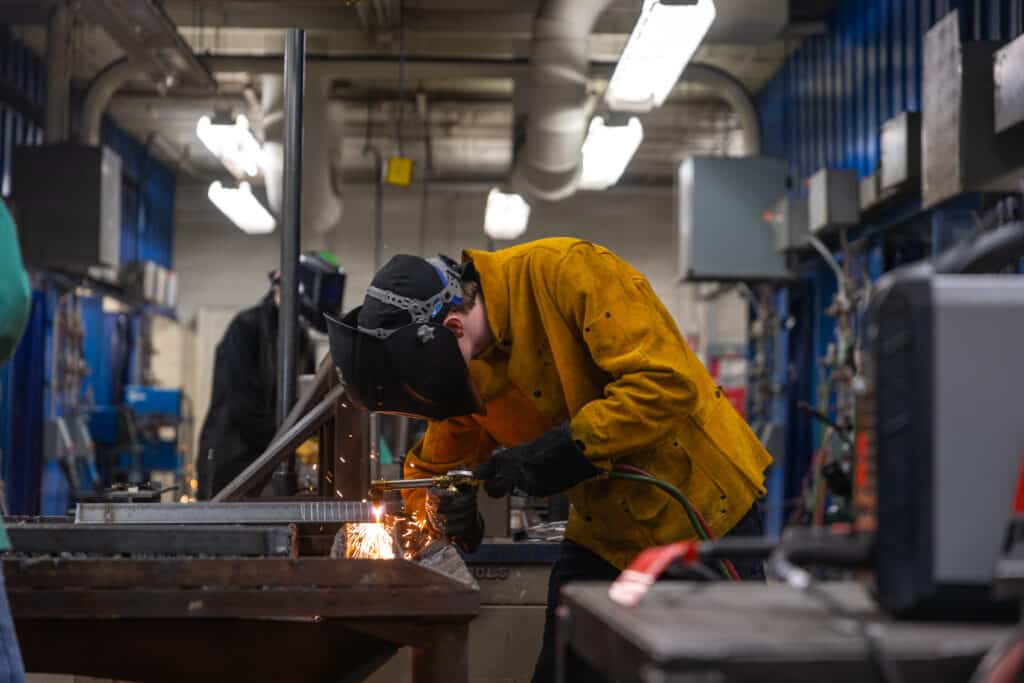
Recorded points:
(455, 325)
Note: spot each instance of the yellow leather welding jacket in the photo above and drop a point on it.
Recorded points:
(581, 336)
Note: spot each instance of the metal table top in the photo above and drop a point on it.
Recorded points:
(760, 632)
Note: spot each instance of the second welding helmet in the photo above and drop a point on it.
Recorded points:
(321, 283)
(394, 353)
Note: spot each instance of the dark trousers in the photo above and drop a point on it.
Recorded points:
(576, 563)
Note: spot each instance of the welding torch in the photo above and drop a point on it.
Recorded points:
(454, 481)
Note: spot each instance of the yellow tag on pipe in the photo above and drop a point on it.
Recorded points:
(399, 171)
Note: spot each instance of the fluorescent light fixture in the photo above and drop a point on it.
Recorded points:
(607, 151)
(664, 40)
(244, 210)
(506, 215)
(232, 143)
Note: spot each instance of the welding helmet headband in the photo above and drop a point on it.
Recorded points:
(394, 353)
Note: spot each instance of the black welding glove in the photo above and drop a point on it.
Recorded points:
(550, 464)
(456, 516)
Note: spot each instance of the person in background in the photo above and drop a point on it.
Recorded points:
(561, 352)
(241, 421)
(15, 303)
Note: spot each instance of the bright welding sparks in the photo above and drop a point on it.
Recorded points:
(371, 540)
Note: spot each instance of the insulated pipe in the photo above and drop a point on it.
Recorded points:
(549, 165)
(736, 95)
(58, 73)
(321, 206)
(288, 318)
(97, 97)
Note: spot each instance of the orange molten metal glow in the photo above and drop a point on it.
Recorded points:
(370, 540)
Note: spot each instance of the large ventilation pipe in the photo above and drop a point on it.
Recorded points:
(549, 163)
(98, 95)
(58, 73)
(736, 96)
(321, 207)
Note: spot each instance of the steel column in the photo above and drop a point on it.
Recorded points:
(58, 73)
(291, 224)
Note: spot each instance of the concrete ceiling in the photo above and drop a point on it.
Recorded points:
(463, 55)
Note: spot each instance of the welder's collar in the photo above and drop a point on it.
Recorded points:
(494, 286)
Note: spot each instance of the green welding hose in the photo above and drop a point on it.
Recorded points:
(678, 496)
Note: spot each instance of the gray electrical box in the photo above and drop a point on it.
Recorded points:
(722, 232)
(68, 199)
(789, 221)
(869, 191)
(833, 200)
(960, 151)
(1009, 85)
(901, 152)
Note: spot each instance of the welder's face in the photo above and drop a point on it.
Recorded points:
(461, 326)
(471, 330)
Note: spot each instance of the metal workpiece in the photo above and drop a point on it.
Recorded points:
(284, 512)
(211, 540)
(253, 476)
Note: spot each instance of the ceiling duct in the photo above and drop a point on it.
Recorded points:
(550, 161)
(144, 31)
(321, 207)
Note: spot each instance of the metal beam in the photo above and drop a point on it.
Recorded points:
(279, 512)
(110, 539)
(291, 224)
(374, 68)
(253, 477)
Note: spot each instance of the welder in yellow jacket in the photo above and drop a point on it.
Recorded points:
(574, 365)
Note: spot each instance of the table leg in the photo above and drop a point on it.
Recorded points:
(446, 658)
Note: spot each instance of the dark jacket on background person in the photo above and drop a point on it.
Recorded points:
(242, 418)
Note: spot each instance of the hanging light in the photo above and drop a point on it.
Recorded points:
(232, 143)
(506, 215)
(242, 208)
(607, 151)
(664, 40)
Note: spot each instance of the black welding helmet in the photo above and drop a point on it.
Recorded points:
(393, 352)
(321, 287)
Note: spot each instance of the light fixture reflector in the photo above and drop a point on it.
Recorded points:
(607, 151)
(232, 143)
(242, 208)
(664, 40)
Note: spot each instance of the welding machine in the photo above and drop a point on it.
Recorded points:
(940, 437)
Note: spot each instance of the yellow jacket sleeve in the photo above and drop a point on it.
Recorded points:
(632, 338)
(447, 445)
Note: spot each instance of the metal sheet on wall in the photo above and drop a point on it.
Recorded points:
(1009, 77)
(825, 107)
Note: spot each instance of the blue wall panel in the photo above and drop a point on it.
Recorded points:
(826, 105)
(147, 210)
(147, 224)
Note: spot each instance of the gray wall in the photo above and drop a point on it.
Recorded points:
(220, 266)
